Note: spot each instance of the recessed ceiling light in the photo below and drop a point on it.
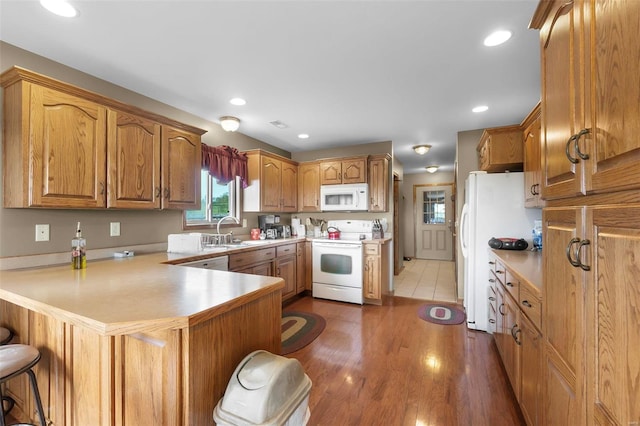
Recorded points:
(497, 37)
(480, 108)
(303, 136)
(238, 101)
(59, 7)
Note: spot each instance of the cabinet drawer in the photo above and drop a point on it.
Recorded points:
(286, 250)
(250, 257)
(531, 305)
(500, 272)
(373, 249)
(512, 284)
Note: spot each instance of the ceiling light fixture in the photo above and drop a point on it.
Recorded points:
(432, 169)
(60, 8)
(496, 38)
(303, 136)
(230, 124)
(421, 149)
(238, 101)
(480, 108)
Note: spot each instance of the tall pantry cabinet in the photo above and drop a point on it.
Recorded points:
(591, 183)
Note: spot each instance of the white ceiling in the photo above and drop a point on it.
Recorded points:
(345, 72)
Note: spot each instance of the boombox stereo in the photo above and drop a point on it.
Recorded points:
(508, 243)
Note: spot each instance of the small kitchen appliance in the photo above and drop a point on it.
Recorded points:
(333, 233)
(346, 197)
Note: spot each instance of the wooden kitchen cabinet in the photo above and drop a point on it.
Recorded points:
(181, 163)
(343, 170)
(532, 159)
(500, 149)
(273, 183)
(286, 262)
(590, 130)
(133, 161)
(48, 162)
(300, 267)
(591, 176)
(66, 147)
(308, 262)
(379, 183)
(309, 187)
(376, 270)
(531, 371)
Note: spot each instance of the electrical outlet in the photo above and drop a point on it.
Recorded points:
(244, 223)
(114, 229)
(42, 232)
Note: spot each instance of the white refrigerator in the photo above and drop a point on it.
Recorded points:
(494, 207)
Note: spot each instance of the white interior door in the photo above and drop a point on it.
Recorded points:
(433, 222)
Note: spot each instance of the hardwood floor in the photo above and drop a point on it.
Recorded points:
(382, 365)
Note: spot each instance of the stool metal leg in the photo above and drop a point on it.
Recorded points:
(36, 396)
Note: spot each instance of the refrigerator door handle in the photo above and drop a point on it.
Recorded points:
(464, 232)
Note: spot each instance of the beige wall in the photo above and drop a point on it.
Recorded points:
(466, 161)
(17, 226)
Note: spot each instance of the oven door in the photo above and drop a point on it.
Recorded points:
(337, 264)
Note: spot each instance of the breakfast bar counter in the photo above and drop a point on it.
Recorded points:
(135, 341)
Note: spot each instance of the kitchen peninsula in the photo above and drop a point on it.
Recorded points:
(136, 341)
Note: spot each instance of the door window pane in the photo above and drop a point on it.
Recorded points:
(433, 207)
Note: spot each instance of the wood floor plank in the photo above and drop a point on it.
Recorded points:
(383, 365)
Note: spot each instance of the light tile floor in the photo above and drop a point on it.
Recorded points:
(427, 279)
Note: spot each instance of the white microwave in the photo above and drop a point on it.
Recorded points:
(344, 198)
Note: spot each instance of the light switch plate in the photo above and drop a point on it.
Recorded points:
(114, 229)
(42, 232)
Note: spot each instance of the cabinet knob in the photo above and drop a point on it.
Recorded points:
(526, 303)
(158, 191)
(509, 284)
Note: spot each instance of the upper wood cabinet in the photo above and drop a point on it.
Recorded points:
(532, 161)
(379, 183)
(343, 170)
(273, 183)
(590, 130)
(66, 147)
(500, 149)
(309, 187)
(54, 148)
(133, 161)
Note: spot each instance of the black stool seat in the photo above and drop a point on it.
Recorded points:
(5, 335)
(16, 360)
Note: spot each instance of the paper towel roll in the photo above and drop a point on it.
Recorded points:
(295, 222)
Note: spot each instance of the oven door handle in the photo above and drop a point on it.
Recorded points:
(338, 245)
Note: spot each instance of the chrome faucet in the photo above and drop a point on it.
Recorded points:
(225, 218)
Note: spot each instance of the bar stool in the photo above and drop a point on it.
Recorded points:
(16, 360)
(5, 335)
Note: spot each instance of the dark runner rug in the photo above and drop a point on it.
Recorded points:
(299, 329)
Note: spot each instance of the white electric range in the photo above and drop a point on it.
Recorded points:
(338, 263)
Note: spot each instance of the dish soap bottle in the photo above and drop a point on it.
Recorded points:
(78, 250)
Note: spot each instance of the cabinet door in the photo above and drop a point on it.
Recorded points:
(613, 142)
(330, 172)
(309, 187)
(501, 321)
(562, 99)
(300, 267)
(68, 143)
(531, 363)
(563, 318)
(286, 269)
(133, 161)
(379, 185)
(181, 165)
(289, 187)
(512, 342)
(532, 167)
(613, 315)
(354, 170)
(371, 280)
(271, 184)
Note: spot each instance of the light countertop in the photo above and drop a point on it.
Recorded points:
(526, 263)
(127, 295)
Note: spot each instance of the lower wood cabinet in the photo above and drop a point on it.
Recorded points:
(287, 261)
(376, 270)
(531, 372)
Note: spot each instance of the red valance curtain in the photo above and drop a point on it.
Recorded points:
(224, 163)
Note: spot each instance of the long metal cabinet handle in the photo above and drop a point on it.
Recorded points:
(573, 138)
(578, 251)
(577, 146)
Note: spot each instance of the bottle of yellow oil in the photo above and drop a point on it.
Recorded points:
(78, 250)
